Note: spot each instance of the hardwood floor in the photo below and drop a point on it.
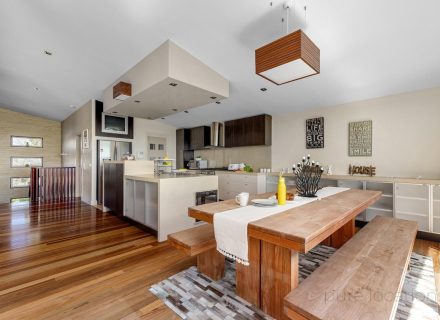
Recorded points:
(72, 261)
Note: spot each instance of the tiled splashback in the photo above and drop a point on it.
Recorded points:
(258, 157)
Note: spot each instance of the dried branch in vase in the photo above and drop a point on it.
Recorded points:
(307, 177)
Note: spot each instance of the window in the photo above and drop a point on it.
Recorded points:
(152, 146)
(161, 146)
(34, 142)
(20, 182)
(25, 162)
(19, 200)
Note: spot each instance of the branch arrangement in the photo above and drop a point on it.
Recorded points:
(307, 177)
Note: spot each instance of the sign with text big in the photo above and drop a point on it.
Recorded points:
(315, 133)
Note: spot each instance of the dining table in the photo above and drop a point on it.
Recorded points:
(275, 242)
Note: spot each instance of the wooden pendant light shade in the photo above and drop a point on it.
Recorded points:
(287, 59)
(122, 91)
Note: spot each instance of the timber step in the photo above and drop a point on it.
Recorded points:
(362, 279)
(200, 241)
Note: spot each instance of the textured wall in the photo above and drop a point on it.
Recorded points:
(20, 124)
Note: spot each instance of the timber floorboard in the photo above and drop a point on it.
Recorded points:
(69, 260)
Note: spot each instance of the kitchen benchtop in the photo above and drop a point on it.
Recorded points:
(240, 173)
(344, 177)
(157, 178)
(371, 179)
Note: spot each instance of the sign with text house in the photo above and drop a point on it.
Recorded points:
(315, 133)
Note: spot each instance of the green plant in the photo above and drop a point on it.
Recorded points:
(248, 168)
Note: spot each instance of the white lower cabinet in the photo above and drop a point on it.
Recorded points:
(230, 184)
(436, 208)
(129, 199)
(412, 202)
(141, 202)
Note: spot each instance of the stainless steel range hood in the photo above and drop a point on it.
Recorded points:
(217, 135)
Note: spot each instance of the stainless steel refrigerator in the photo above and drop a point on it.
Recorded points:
(109, 150)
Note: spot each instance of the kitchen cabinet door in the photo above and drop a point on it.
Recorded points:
(199, 137)
(436, 208)
(129, 198)
(412, 203)
(251, 131)
(229, 134)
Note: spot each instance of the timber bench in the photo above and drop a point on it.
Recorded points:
(200, 242)
(362, 280)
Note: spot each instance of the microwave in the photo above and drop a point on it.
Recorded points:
(114, 124)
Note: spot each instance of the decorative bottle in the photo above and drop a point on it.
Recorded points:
(281, 190)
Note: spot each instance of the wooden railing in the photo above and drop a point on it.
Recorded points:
(50, 184)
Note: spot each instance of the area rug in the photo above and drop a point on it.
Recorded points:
(194, 296)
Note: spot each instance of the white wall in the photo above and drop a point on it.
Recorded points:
(72, 127)
(144, 128)
(406, 135)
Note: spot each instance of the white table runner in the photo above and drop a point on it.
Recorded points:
(230, 227)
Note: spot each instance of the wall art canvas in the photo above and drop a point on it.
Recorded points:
(315, 133)
(360, 139)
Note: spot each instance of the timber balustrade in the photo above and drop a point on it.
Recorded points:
(50, 184)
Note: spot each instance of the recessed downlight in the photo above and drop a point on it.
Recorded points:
(114, 112)
(175, 110)
(213, 98)
(37, 89)
(218, 102)
(137, 101)
(186, 111)
(263, 89)
(163, 118)
(47, 52)
(173, 84)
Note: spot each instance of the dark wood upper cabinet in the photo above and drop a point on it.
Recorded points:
(183, 151)
(200, 137)
(251, 131)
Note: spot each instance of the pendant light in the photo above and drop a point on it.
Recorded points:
(288, 58)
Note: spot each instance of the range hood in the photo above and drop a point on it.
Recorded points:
(217, 135)
(167, 81)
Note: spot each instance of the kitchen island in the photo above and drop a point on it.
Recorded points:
(161, 202)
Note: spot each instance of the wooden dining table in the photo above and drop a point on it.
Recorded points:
(276, 241)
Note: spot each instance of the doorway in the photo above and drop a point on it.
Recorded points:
(156, 147)
(78, 166)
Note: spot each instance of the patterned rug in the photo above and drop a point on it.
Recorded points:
(194, 296)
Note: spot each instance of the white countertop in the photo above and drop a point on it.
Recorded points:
(344, 177)
(156, 179)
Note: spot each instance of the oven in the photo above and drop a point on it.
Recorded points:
(205, 197)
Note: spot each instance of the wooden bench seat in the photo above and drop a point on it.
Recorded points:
(200, 242)
(362, 279)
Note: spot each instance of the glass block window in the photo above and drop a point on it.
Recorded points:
(19, 200)
(22, 182)
(24, 162)
(34, 142)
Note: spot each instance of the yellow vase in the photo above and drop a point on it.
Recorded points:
(281, 191)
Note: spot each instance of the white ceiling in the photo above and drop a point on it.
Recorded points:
(368, 49)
